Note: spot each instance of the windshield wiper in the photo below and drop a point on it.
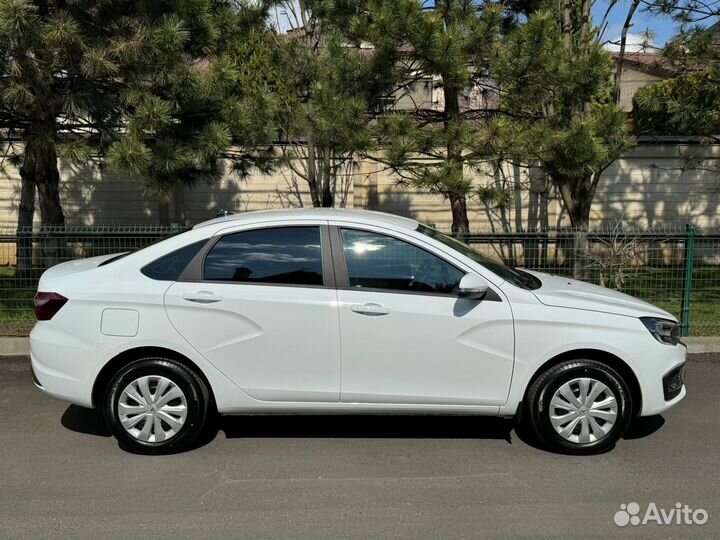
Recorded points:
(528, 281)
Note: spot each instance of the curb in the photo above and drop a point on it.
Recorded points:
(20, 346)
(697, 345)
(14, 346)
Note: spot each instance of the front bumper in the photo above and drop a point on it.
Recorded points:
(674, 382)
(661, 374)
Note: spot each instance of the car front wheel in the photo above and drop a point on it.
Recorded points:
(156, 406)
(579, 407)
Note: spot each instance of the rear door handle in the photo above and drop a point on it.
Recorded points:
(370, 309)
(202, 297)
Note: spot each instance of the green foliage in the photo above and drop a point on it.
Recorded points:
(494, 197)
(543, 78)
(557, 83)
(185, 113)
(327, 89)
(130, 155)
(688, 104)
(148, 82)
(77, 152)
(433, 148)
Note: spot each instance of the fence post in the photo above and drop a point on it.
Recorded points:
(687, 280)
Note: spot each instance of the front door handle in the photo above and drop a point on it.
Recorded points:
(370, 309)
(202, 297)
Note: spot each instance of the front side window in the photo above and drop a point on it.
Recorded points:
(513, 275)
(283, 255)
(376, 261)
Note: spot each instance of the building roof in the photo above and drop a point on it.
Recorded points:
(648, 62)
(367, 217)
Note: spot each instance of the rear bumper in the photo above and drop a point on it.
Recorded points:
(660, 372)
(63, 365)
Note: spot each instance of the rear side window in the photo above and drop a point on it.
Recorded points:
(283, 255)
(170, 266)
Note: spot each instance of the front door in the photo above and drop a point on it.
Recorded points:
(264, 313)
(406, 336)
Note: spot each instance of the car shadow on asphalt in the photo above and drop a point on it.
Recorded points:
(90, 422)
(82, 420)
(644, 426)
(366, 427)
(400, 427)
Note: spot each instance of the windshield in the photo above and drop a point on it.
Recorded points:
(513, 275)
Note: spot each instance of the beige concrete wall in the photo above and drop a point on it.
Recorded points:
(633, 80)
(657, 184)
(651, 185)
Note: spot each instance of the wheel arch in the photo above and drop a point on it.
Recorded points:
(609, 359)
(122, 359)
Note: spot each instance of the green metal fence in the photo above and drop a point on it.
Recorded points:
(676, 268)
(26, 253)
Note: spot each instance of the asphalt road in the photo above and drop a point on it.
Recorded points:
(62, 476)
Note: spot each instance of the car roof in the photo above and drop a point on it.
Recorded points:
(368, 217)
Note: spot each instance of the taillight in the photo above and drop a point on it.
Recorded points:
(47, 304)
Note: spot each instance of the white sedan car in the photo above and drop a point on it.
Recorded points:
(336, 311)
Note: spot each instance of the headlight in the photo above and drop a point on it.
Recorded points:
(663, 330)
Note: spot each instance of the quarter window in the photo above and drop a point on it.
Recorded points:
(377, 261)
(286, 255)
(170, 266)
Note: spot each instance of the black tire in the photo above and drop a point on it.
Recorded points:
(196, 396)
(544, 387)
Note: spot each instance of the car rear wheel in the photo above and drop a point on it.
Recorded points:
(155, 406)
(579, 407)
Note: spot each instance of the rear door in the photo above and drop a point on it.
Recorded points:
(260, 305)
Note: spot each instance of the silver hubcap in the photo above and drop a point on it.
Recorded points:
(583, 410)
(152, 408)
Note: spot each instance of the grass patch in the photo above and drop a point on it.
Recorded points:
(16, 303)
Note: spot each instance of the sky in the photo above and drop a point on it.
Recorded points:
(663, 28)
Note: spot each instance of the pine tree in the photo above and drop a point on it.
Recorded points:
(73, 73)
(689, 103)
(331, 88)
(557, 91)
(202, 97)
(433, 148)
(59, 63)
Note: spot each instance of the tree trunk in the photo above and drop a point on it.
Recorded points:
(328, 193)
(460, 222)
(621, 55)
(179, 204)
(312, 176)
(580, 220)
(164, 213)
(40, 166)
(327, 198)
(577, 196)
(458, 201)
(26, 214)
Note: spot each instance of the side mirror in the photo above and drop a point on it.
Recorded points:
(472, 287)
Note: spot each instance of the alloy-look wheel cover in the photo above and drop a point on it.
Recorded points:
(583, 410)
(152, 409)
